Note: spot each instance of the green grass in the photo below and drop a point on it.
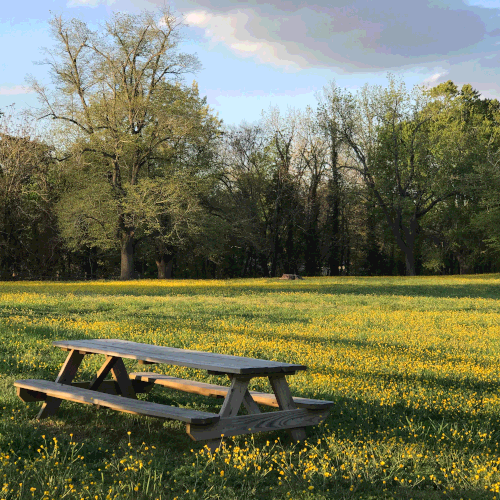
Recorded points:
(411, 363)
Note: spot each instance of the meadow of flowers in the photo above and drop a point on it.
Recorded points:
(411, 363)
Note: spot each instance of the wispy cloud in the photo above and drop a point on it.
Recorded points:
(15, 90)
(433, 79)
(89, 3)
(349, 36)
(232, 30)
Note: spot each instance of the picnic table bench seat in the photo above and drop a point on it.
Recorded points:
(220, 391)
(34, 389)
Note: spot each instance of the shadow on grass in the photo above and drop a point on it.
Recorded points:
(9, 365)
(383, 286)
(402, 287)
(350, 417)
(354, 423)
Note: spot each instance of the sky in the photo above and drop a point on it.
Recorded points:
(256, 54)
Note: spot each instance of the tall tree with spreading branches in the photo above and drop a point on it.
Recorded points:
(395, 141)
(118, 91)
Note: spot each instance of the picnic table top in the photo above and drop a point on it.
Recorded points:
(221, 363)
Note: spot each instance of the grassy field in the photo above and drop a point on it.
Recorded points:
(412, 364)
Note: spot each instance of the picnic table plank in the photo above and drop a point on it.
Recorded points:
(120, 376)
(102, 373)
(234, 398)
(218, 363)
(262, 422)
(220, 391)
(128, 405)
(286, 402)
(66, 375)
(249, 403)
(107, 386)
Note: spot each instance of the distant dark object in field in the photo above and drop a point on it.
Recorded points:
(291, 277)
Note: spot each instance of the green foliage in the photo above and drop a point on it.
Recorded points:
(413, 150)
(488, 177)
(136, 166)
(88, 213)
(27, 176)
(131, 120)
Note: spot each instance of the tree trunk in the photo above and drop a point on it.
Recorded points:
(162, 268)
(334, 224)
(313, 253)
(274, 254)
(463, 266)
(127, 256)
(290, 261)
(410, 261)
(405, 239)
(248, 260)
(165, 265)
(407, 245)
(264, 264)
(346, 249)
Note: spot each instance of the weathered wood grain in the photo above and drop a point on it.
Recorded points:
(128, 405)
(191, 386)
(286, 402)
(30, 396)
(234, 397)
(263, 422)
(112, 387)
(219, 391)
(102, 373)
(120, 375)
(108, 387)
(66, 375)
(217, 363)
(250, 404)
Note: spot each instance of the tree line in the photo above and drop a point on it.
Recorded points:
(125, 171)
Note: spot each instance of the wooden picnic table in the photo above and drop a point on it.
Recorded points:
(120, 393)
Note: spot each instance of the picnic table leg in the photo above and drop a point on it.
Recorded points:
(232, 403)
(102, 373)
(281, 390)
(120, 375)
(66, 376)
(117, 368)
(250, 404)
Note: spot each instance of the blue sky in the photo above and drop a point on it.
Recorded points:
(256, 54)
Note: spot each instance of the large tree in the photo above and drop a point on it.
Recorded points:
(487, 168)
(119, 94)
(396, 142)
(334, 228)
(283, 134)
(242, 200)
(27, 238)
(464, 132)
(313, 155)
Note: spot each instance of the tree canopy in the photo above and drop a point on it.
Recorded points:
(138, 174)
(134, 124)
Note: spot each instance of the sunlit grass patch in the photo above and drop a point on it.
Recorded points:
(412, 364)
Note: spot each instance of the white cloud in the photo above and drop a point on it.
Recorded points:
(346, 36)
(246, 46)
(231, 30)
(15, 90)
(435, 77)
(88, 3)
(197, 18)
